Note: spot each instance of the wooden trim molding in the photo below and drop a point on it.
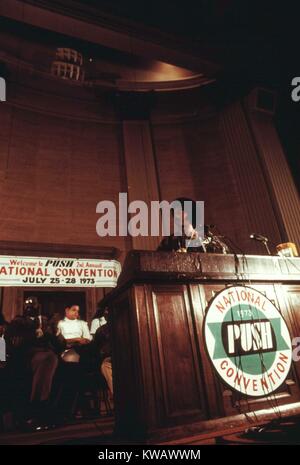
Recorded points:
(57, 250)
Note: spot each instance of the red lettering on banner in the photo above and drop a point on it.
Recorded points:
(264, 383)
(226, 301)
(244, 295)
(231, 296)
(229, 372)
(246, 384)
(280, 367)
(224, 364)
(257, 301)
(220, 307)
(238, 379)
(283, 357)
(270, 376)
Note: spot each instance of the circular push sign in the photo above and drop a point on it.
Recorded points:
(247, 341)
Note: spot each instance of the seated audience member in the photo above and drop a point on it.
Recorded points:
(75, 332)
(103, 347)
(5, 389)
(53, 322)
(32, 349)
(78, 357)
(97, 320)
(3, 325)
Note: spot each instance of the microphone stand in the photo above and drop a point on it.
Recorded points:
(263, 240)
(267, 247)
(234, 247)
(183, 247)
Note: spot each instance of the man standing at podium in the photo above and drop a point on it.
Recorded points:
(184, 221)
(189, 240)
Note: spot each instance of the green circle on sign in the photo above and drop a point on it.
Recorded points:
(253, 364)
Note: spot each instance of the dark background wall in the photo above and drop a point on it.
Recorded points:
(59, 158)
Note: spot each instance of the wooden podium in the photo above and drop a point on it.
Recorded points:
(165, 385)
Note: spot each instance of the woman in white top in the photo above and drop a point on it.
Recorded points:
(74, 331)
(72, 328)
(97, 321)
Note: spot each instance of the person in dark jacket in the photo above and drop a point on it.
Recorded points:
(190, 240)
(33, 354)
(102, 342)
(185, 221)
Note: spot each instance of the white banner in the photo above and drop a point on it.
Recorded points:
(58, 272)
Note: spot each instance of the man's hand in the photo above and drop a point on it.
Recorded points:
(39, 333)
(77, 340)
(83, 341)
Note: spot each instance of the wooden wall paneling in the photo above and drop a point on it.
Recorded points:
(53, 172)
(213, 179)
(54, 97)
(100, 292)
(90, 297)
(178, 358)
(220, 403)
(211, 387)
(174, 170)
(141, 172)
(242, 157)
(164, 321)
(149, 361)
(11, 304)
(5, 131)
(214, 157)
(290, 303)
(129, 412)
(278, 173)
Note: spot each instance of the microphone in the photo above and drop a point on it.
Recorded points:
(262, 239)
(259, 237)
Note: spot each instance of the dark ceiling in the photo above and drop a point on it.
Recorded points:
(256, 41)
(257, 38)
